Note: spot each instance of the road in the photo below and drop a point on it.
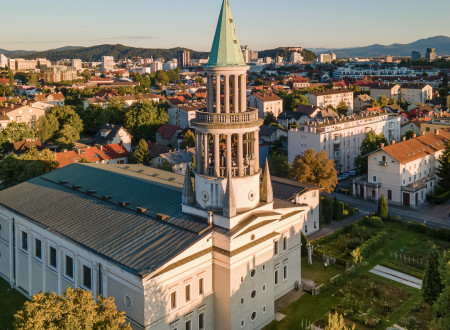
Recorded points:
(436, 215)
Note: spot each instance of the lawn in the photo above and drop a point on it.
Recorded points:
(10, 302)
(316, 271)
(365, 297)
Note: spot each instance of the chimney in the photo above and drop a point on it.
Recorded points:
(12, 106)
(404, 138)
(414, 135)
(382, 145)
(393, 142)
(438, 132)
(423, 133)
(210, 217)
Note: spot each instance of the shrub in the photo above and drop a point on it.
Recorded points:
(374, 222)
(304, 245)
(326, 210)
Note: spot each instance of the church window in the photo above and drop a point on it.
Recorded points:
(242, 301)
(285, 272)
(200, 286)
(24, 241)
(173, 300)
(87, 277)
(264, 267)
(127, 301)
(69, 267)
(242, 323)
(264, 308)
(253, 294)
(188, 325)
(275, 247)
(253, 273)
(38, 248)
(201, 321)
(188, 292)
(264, 288)
(276, 277)
(253, 316)
(285, 243)
(52, 259)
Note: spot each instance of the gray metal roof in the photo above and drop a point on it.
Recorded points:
(285, 189)
(81, 203)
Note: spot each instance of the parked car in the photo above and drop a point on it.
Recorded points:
(345, 175)
(352, 173)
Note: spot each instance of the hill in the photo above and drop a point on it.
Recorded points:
(441, 43)
(95, 53)
(308, 55)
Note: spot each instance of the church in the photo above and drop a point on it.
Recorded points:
(213, 249)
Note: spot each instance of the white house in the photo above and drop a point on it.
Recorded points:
(265, 103)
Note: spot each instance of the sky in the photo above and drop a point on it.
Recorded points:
(261, 24)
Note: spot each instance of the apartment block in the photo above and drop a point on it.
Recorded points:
(331, 98)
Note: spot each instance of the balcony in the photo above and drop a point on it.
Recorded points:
(383, 163)
(250, 116)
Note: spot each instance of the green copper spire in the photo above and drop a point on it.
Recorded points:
(226, 50)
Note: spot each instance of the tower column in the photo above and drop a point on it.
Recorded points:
(217, 154)
(243, 92)
(218, 93)
(241, 154)
(205, 154)
(210, 92)
(198, 155)
(227, 93)
(228, 153)
(256, 150)
(236, 93)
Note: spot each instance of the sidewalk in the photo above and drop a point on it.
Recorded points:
(397, 276)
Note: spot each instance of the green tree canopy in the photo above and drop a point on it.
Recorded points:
(342, 108)
(372, 142)
(315, 169)
(382, 210)
(142, 154)
(279, 165)
(75, 309)
(143, 119)
(442, 305)
(46, 128)
(270, 118)
(188, 140)
(443, 170)
(67, 136)
(66, 115)
(432, 282)
(162, 78)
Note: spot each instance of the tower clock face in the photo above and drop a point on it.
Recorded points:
(205, 196)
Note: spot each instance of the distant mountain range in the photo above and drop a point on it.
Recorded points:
(441, 43)
(94, 53)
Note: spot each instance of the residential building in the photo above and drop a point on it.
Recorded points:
(265, 102)
(3, 61)
(361, 101)
(60, 73)
(156, 66)
(184, 58)
(271, 133)
(405, 172)
(215, 253)
(179, 160)
(246, 53)
(430, 55)
(113, 134)
(414, 93)
(331, 98)
(77, 64)
(411, 126)
(20, 64)
(296, 57)
(183, 114)
(341, 138)
(43, 63)
(300, 82)
(56, 99)
(107, 63)
(391, 91)
(325, 58)
(116, 152)
(168, 134)
(21, 113)
(415, 56)
(435, 124)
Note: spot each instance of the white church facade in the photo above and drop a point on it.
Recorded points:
(210, 250)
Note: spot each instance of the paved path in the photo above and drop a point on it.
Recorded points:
(434, 215)
(397, 276)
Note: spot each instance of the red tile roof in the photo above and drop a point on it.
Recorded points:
(116, 150)
(167, 131)
(49, 97)
(409, 150)
(93, 154)
(67, 157)
(267, 97)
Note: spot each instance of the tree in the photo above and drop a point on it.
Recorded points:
(5, 90)
(173, 75)
(188, 141)
(342, 108)
(67, 137)
(33, 79)
(372, 142)
(74, 309)
(142, 154)
(384, 101)
(443, 170)
(86, 75)
(270, 118)
(11, 78)
(432, 282)
(315, 169)
(336, 322)
(162, 78)
(409, 134)
(442, 306)
(199, 80)
(279, 165)
(326, 209)
(382, 210)
(66, 115)
(46, 127)
(143, 119)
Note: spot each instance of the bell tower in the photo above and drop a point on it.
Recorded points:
(227, 171)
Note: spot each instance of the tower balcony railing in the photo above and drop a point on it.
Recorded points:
(249, 116)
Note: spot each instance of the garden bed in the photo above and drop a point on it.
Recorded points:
(419, 317)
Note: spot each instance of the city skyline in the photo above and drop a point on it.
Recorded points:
(344, 24)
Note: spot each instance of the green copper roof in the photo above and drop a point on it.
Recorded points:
(226, 50)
